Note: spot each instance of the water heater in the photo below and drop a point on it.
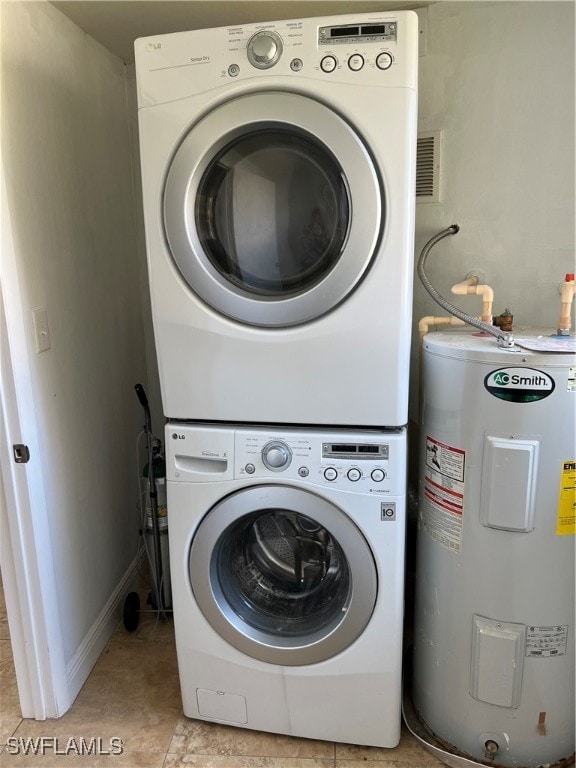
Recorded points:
(493, 666)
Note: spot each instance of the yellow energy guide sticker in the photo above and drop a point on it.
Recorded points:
(566, 522)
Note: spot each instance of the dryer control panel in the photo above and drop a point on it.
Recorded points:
(371, 49)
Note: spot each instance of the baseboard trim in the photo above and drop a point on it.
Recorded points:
(101, 631)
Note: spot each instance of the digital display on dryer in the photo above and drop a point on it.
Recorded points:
(374, 29)
(365, 33)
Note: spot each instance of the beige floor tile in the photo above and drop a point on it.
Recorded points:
(4, 629)
(133, 694)
(381, 764)
(408, 753)
(152, 627)
(10, 715)
(51, 760)
(421, 762)
(365, 763)
(237, 761)
(202, 738)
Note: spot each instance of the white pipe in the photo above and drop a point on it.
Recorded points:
(429, 320)
(566, 298)
(470, 287)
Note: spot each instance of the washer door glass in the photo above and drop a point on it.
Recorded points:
(272, 213)
(272, 209)
(283, 575)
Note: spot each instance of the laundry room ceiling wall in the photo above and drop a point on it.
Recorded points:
(117, 23)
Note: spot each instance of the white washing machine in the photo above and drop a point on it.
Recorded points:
(278, 165)
(287, 564)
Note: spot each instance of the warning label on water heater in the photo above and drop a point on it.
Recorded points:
(566, 520)
(444, 493)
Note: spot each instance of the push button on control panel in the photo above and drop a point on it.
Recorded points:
(384, 61)
(328, 64)
(330, 474)
(356, 62)
(354, 474)
(378, 475)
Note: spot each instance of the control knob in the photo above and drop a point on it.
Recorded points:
(264, 49)
(276, 455)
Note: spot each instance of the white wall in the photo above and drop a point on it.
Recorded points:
(498, 80)
(67, 160)
(153, 389)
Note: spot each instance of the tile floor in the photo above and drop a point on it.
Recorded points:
(133, 695)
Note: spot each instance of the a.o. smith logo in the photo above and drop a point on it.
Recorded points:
(519, 385)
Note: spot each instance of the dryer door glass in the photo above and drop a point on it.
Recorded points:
(283, 575)
(273, 209)
(272, 212)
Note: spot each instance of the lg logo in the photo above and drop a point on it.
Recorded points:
(176, 436)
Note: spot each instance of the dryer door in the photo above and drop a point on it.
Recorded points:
(272, 209)
(283, 575)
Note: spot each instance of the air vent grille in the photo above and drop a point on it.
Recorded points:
(428, 167)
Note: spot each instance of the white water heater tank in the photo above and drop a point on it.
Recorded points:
(493, 666)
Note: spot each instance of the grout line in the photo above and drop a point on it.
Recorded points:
(176, 721)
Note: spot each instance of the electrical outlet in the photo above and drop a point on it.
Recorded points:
(41, 330)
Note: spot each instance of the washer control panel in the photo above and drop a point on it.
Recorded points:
(362, 462)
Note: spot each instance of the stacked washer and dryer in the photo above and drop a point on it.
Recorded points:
(278, 165)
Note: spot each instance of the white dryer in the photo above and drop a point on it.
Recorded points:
(287, 564)
(278, 166)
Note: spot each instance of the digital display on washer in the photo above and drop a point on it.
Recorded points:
(344, 31)
(365, 33)
(354, 451)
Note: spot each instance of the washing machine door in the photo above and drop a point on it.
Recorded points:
(283, 575)
(272, 209)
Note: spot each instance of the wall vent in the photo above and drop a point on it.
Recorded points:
(428, 167)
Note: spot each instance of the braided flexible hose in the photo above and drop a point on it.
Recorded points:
(504, 339)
